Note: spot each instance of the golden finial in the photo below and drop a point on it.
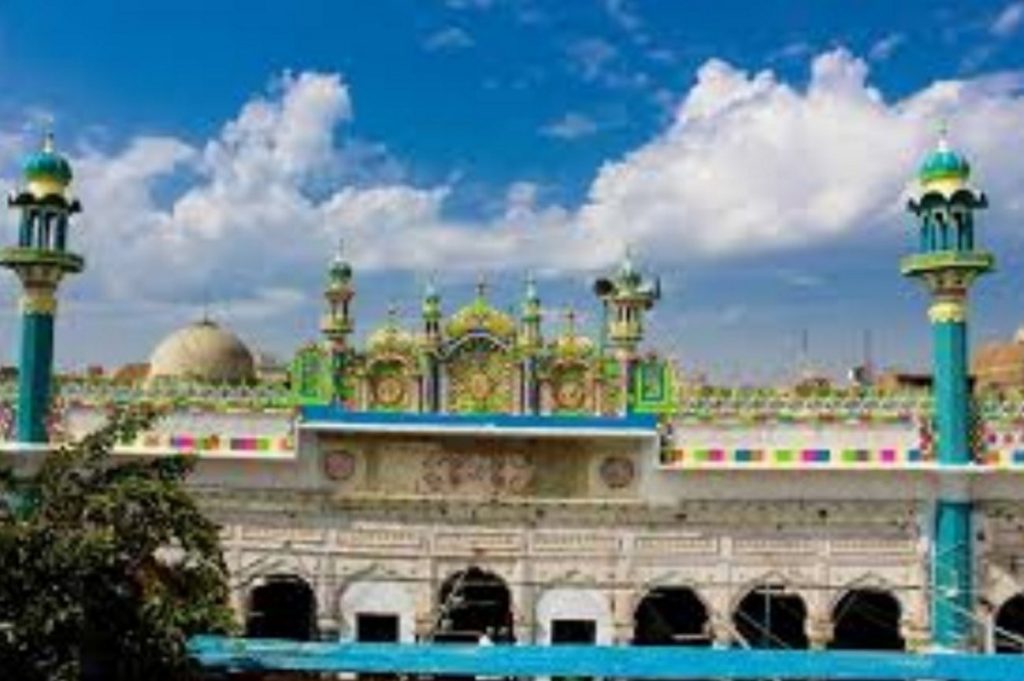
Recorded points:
(942, 128)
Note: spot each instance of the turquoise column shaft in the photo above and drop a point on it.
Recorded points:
(952, 403)
(952, 578)
(34, 369)
(952, 575)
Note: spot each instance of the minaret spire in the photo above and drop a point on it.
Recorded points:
(626, 296)
(947, 262)
(530, 343)
(40, 260)
(337, 324)
(432, 338)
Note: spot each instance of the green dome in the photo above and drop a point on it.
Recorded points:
(47, 167)
(340, 269)
(944, 164)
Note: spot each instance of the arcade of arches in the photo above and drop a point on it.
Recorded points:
(476, 605)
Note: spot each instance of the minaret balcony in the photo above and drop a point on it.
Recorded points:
(967, 262)
(17, 258)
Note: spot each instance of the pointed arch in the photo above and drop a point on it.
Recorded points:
(671, 615)
(281, 606)
(772, 616)
(474, 603)
(867, 618)
(1009, 625)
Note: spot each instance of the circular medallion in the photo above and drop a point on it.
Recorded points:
(570, 395)
(390, 391)
(480, 386)
(339, 465)
(617, 471)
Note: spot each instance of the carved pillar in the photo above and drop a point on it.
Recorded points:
(916, 634)
(819, 631)
(623, 606)
(721, 630)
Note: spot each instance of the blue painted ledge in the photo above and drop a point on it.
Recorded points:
(605, 661)
(333, 414)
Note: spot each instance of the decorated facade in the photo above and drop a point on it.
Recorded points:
(485, 471)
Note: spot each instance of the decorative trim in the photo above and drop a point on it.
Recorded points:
(214, 444)
(948, 312)
(715, 457)
(39, 301)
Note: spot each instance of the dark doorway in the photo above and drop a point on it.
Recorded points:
(671, 616)
(771, 617)
(867, 619)
(282, 607)
(474, 603)
(1009, 637)
(376, 628)
(569, 632)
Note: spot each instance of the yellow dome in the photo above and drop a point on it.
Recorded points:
(202, 352)
(390, 338)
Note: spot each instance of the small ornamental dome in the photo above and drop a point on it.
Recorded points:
(340, 270)
(944, 164)
(391, 338)
(202, 352)
(481, 317)
(569, 344)
(45, 171)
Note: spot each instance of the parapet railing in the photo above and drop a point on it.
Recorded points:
(693, 404)
(257, 397)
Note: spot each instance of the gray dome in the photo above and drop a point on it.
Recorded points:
(202, 352)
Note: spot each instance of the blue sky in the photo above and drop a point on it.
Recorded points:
(754, 158)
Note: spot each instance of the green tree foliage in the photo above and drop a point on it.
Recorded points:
(107, 565)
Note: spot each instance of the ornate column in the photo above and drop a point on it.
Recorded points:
(40, 260)
(948, 263)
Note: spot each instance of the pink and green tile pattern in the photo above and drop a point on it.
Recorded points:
(712, 457)
(217, 444)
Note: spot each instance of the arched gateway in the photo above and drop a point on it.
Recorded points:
(671, 616)
(283, 606)
(473, 603)
(769, 616)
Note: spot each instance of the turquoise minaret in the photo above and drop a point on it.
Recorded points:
(948, 261)
(337, 325)
(41, 259)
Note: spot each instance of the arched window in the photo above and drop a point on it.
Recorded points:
(473, 604)
(284, 606)
(867, 619)
(671, 616)
(771, 617)
(1009, 621)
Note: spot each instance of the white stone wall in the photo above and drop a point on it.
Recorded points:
(585, 569)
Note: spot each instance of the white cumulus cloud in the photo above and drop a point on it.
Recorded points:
(748, 163)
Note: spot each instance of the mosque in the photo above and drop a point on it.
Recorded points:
(480, 476)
